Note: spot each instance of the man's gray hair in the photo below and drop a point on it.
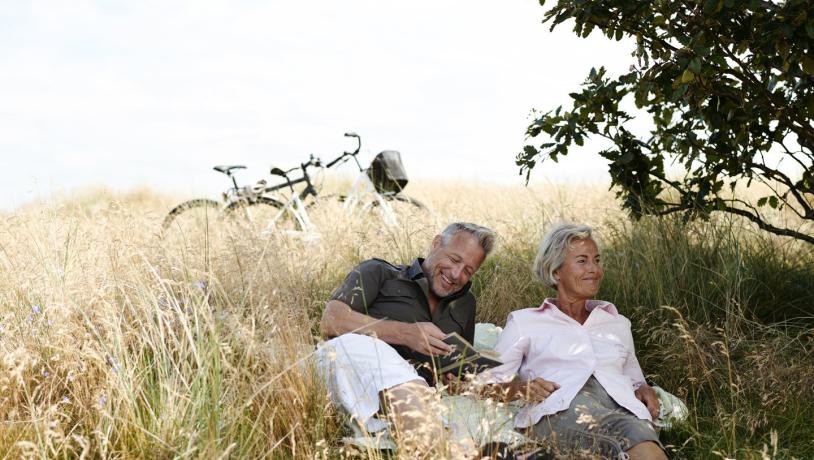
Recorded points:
(485, 236)
(553, 248)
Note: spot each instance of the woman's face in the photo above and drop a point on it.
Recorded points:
(580, 274)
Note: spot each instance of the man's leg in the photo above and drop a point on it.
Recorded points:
(647, 450)
(366, 376)
(413, 409)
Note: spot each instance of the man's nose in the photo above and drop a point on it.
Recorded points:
(456, 272)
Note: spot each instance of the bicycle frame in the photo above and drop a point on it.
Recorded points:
(297, 209)
(363, 194)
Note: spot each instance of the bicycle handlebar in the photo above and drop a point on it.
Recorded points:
(316, 162)
(345, 155)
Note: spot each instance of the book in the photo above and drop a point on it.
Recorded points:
(464, 358)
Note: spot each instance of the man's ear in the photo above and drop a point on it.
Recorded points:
(437, 242)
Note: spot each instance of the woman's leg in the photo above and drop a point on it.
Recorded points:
(594, 423)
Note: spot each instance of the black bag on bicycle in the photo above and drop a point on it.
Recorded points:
(387, 172)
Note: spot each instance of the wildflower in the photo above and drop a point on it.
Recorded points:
(36, 309)
(46, 374)
(102, 400)
(113, 363)
(200, 284)
(66, 400)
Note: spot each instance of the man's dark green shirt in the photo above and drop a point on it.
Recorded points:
(399, 293)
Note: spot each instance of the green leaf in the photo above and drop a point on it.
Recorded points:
(762, 201)
(679, 92)
(694, 67)
(773, 202)
(687, 76)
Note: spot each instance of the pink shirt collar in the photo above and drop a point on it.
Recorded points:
(589, 305)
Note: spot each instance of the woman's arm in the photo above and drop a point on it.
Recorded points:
(502, 382)
(534, 391)
(644, 392)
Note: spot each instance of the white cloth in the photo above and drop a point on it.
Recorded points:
(545, 342)
(355, 369)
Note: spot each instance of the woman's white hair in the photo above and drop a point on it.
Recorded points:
(553, 248)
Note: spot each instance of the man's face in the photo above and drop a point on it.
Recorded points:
(449, 267)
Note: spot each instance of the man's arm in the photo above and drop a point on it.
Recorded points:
(338, 318)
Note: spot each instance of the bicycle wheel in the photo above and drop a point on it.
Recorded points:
(263, 216)
(190, 230)
(402, 210)
(328, 212)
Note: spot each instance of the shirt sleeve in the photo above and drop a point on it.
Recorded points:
(361, 286)
(512, 346)
(631, 367)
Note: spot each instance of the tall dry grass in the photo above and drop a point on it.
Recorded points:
(115, 344)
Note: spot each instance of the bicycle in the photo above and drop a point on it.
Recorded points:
(263, 209)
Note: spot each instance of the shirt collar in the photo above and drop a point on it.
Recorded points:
(590, 305)
(414, 270)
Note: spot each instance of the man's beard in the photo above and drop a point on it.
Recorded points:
(431, 285)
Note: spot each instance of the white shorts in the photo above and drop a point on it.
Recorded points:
(355, 369)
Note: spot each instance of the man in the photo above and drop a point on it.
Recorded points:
(389, 320)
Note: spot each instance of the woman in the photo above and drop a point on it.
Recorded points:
(574, 359)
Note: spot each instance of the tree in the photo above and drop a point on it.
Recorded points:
(725, 82)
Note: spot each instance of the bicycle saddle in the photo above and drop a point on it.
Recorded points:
(227, 169)
(277, 172)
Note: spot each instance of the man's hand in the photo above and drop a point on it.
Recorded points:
(425, 338)
(535, 391)
(647, 395)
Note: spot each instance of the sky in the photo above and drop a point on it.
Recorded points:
(154, 93)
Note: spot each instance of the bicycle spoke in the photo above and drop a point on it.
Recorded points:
(264, 218)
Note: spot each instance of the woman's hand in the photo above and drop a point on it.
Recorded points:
(535, 391)
(647, 395)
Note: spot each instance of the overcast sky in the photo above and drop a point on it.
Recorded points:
(154, 93)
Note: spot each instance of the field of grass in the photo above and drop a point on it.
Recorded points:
(116, 344)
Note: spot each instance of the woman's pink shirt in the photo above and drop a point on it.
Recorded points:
(546, 343)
